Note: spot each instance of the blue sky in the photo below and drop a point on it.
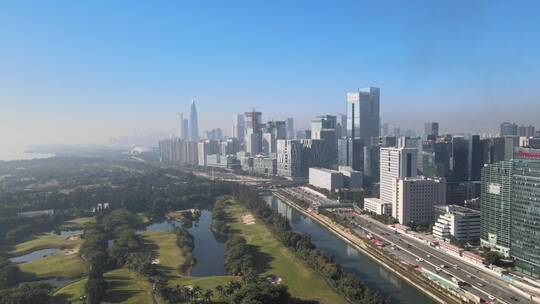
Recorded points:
(85, 71)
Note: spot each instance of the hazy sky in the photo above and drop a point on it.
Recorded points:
(86, 71)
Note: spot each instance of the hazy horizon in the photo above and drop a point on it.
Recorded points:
(76, 72)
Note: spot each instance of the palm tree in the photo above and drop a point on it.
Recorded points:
(197, 290)
(208, 295)
(220, 290)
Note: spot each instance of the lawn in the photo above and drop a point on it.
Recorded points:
(69, 293)
(303, 282)
(81, 221)
(124, 286)
(58, 265)
(44, 241)
(204, 282)
(169, 255)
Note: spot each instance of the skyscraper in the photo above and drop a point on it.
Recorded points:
(238, 129)
(431, 130)
(184, 127)
(253, 134)
(509, 129)
(496, 199)
(290, 128)
(193, 123)
(363, 114)
(395, 163)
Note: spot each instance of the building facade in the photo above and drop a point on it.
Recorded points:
(363, 114)
(415, 198)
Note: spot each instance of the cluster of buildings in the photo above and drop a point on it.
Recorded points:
(476, 189)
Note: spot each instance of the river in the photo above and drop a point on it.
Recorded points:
(374, 276)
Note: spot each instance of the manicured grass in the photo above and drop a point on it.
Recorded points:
(82, 220)
(303, 282)
(57, 265)
(69, 293)
(43, 241)
(203, 282)
(125, 286)
(169, 255)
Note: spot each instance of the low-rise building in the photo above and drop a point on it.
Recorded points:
(457, 221)
(325, 178)
(377, 206)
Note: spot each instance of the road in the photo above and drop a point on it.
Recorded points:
(480, 283)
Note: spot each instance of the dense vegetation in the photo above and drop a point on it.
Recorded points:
(185, 241)
(219, 220)
(27, 293)
(239, 256)
(346, 283)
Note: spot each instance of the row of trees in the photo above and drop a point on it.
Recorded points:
(344, 282)
(94, 252)
(239, 256)
(219, 217)
(186, 242)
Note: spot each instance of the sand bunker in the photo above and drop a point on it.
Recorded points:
(155, 262)
(248, 219)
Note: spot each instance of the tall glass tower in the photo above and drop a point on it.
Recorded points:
(363, 114)
(193, 123)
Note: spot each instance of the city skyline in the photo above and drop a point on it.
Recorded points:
(461, 65)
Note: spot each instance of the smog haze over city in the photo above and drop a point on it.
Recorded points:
(269, 152)
(84, 72)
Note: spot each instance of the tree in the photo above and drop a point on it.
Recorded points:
(492, 258)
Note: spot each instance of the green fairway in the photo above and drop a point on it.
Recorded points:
(125, 286)
(303, 282)
(82, 220)
(169, 255)
(203, 282)
(43, 241)
(60, 265)
(69, 293)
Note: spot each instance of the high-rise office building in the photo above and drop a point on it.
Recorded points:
(526, 131)
(253, 133)
(184, 127)
(193, 122)
(496, 199)
(363, 114)
(431, 130)
(289, 158)
(508, 128)
(290, 128)
(320, 123)
(415, 198)
(525, 211)
(341, 126)
(395, 163)
(350, 153)
(238, 128)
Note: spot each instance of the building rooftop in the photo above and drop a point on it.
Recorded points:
(456, 209)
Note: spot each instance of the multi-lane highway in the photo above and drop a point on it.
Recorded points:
(413, 251)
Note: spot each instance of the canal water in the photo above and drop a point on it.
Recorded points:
(374, 276)
(209, 248)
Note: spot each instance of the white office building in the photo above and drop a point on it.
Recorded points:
(289, 158)
(395, 163)
(459, 222)
(415, 198)
(377, 206)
